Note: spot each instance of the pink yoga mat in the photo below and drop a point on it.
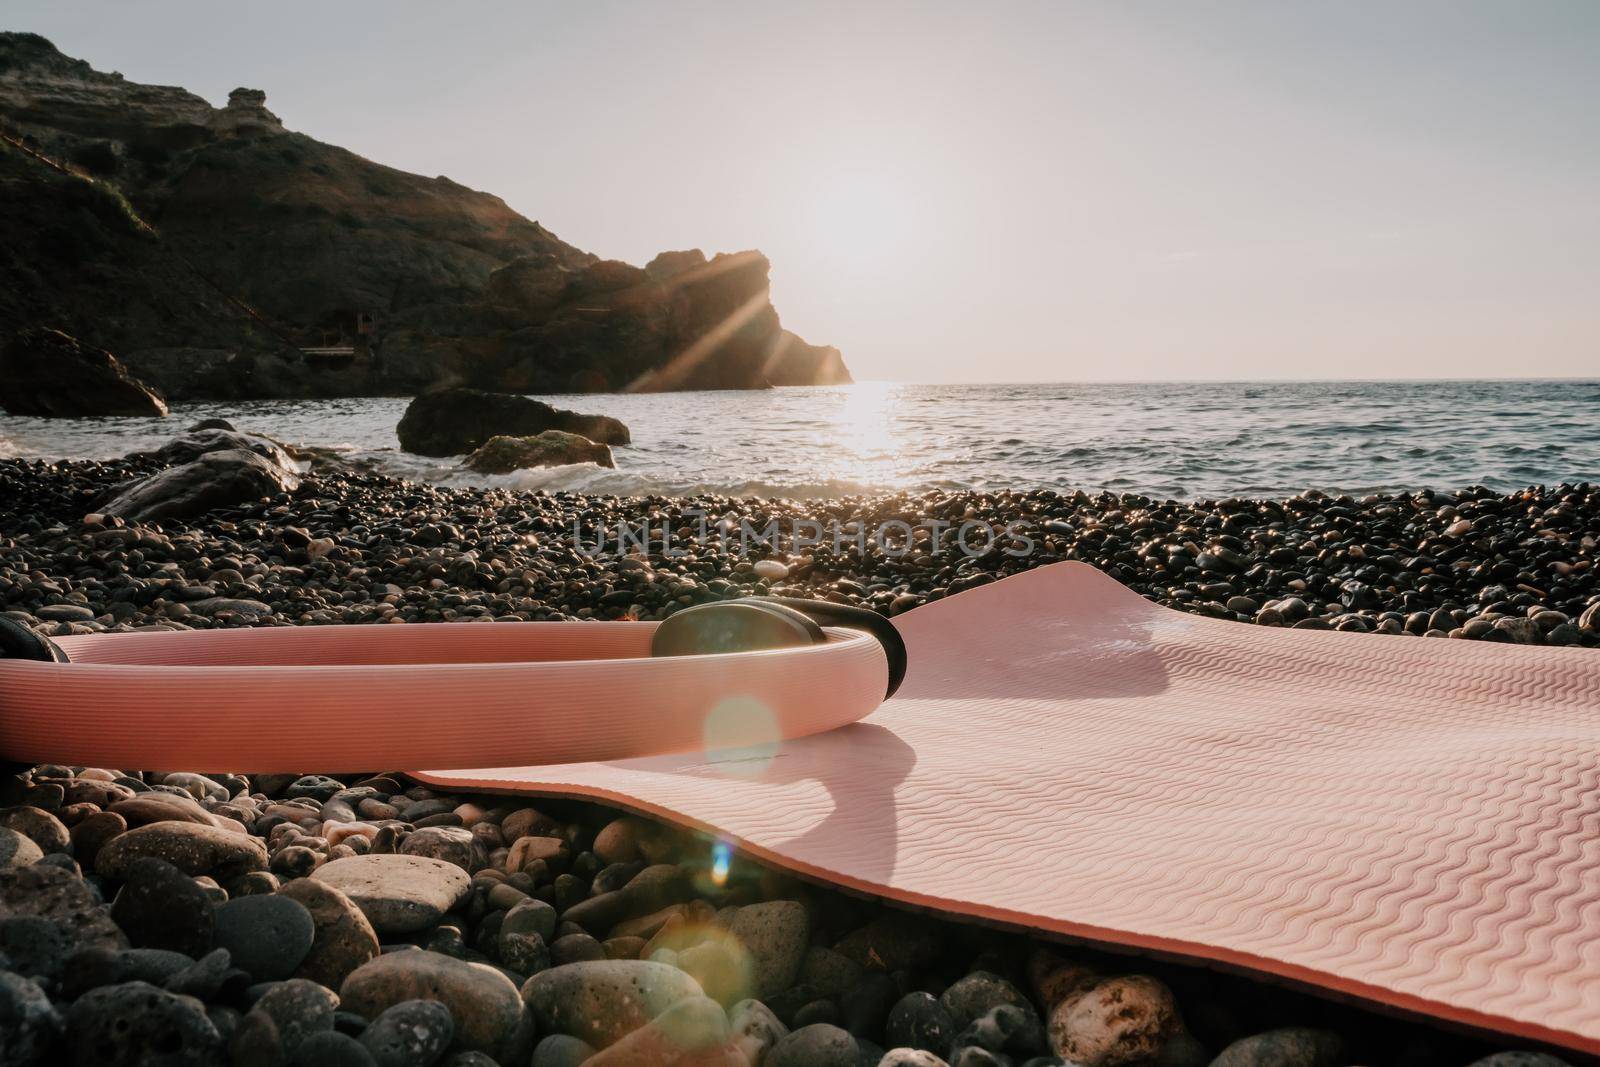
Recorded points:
(1414, 822)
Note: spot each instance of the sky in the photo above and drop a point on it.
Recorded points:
(995, 191)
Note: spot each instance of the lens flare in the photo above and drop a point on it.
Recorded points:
(721, 860)
(741, 736)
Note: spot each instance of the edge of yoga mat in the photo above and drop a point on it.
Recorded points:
(1424, 810)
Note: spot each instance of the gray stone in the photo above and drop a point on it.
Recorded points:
(398, 894)
(775, 934)
(976, 994)
(409, 1034)
(136, 1023)
(160, 907)
(298, 1008)
(817, 1045)
(488, 1013)
(451, 844)
(1293, 1046)
(268, 935)
(192, 848)
(216, 479)
(602, 1000)
(920, 1021)
(29, 1025)
(17, 851)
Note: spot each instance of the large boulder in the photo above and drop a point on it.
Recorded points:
(46, 372)
(199, 442)
(450, 422)
(216, 479)
(553, 448)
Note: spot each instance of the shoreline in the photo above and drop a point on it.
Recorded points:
(352, 547)
(169, 893)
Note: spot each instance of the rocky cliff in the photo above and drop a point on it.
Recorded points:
(208, 247)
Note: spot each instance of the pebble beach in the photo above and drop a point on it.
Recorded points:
(197, 917)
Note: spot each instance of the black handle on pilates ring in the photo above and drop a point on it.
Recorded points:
(19, 642)
(827, 613)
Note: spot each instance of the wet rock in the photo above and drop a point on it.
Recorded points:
(488, 1013)
(1289, 1047)
(342, 938)
(398, 894)
(160, 907)
(552, 448)
(137, 1023)
(267, 935)
(192, 848)
(601, 1000)
(450, 422)
(217, 479)
(202, 441)
(412, 1033)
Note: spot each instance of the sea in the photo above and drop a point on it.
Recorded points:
(1178, 440)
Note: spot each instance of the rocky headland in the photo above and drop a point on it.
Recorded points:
(218, 255)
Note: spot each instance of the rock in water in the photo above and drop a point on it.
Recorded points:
(46, 372)
(398, 894)
(552, 448)
(602, 1000)
(216, 479)
(450, 422)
